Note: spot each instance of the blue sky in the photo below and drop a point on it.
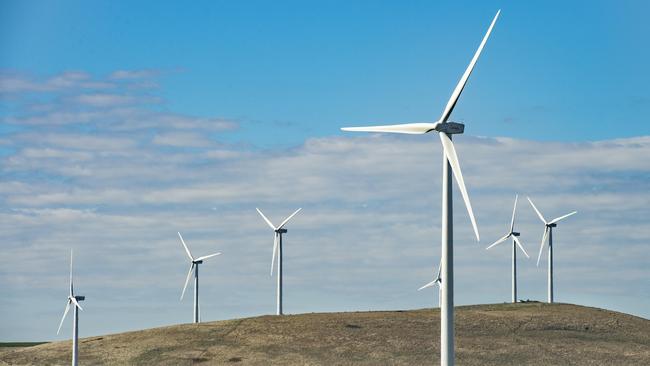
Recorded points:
(292, 70)
(122, 123)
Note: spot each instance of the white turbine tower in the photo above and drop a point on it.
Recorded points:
(515, 242)
(72, 299)
(277, 247)
(194, 266)
(436, 281)
(548, 233)
(449, 164)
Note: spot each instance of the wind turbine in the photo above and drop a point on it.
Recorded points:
(449, 164)
(277, 247)
(548, 232)
(438, 282)
(72, 299)
(194, 266)
(515, 242)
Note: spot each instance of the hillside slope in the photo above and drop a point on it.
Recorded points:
(503, 334)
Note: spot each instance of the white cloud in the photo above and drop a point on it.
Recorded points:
(368, 235)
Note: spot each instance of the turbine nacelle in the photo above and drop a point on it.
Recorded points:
(281, 231)
(551, 225)
(515, 233)
(450, 128)
(197, 262)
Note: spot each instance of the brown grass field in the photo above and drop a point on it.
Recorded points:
(500, 334)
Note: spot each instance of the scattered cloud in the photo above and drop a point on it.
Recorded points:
(117, 187)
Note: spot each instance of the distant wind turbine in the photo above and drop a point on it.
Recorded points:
(449, 164)
(515, 242)
(194, 265)
(277, 247)
(72, 299)
(548, 233)
(436, 281)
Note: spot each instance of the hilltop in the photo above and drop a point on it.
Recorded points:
(500, 334)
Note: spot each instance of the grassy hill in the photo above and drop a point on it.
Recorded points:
(502, 334)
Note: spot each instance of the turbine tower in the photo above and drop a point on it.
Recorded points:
(277, 247)
(72, 299)
(548, 233)
(515, 243)
(194, 266)
(436, 281)
(450, 164)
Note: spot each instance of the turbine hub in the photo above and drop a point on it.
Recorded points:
(450, 128)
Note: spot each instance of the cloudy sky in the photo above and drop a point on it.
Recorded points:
(122, 124)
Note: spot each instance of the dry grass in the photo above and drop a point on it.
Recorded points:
(503, 334)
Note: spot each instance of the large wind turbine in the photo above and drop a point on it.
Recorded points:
(277, 247)
(449, 164)
(515, 242)
(194, 266)
(72, 299)
(548, 233)
(436, 281)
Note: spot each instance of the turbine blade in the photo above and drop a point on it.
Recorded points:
(74, 301)
(501, 240)
(67, 307)
(275, 249)
(514, 209)
(428, 284)
(207, 256)
(189, 274)
(71, 286)
(541, 248)
(408, 128)
(463, 80)
(288, 218)
(562, 217)
(450, 152)
(520, 246)
(438, 277)
(265, 219)
(187, 250)
(536, 210)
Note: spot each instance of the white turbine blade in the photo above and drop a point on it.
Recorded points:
(520, 246)
(463, 80)
(428, 284)
(74, 301)
(67, 307)
(189, 274)
(408, 128)
(450, 152)
(536, 210)
(71, 287)
(187, 250)
(541, 247)
(288, 218)
(501, 240)
(514, 208)
(562, 217)
(207, 256)
(265, 219)
(275, 249)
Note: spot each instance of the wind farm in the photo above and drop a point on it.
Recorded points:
(124, 126)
